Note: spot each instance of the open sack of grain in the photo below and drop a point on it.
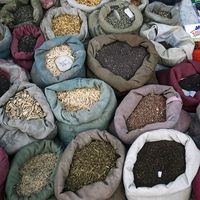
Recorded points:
(149, 108)
(57, 60)
(80, 104)
(16, 12)
(64, 21)
(115, 17)
(141, 4)
(25, 116)
(161, 164)
(91, 168)
(32, 172)
(5, 41)
(124, 61)
(26, 39)
(172, 43)
(184, 77)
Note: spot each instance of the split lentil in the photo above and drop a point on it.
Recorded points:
(35, 173)
(51, 56)
(23, 106)
(5, 84)
(27, 43)
(91, 164)
(89, 2)
(163, 13)
(151, 109)
(66, 24)
(80, 98)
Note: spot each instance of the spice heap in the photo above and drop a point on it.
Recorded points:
(151, 109)
(80, 98)
(163, 13)
(90, 164)
(23, 14)
(136, 2)
(24, 106)
(35, 173)
(66, 24)
(89, 2)
(55, 52)
(1, 36)
(5, 84)
(27, 43)
(118, 18)
(191, 83)
(121, 59)
(166, 161)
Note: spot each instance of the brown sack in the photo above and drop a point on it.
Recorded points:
(142, 75)
(176, 118)
(100, 190)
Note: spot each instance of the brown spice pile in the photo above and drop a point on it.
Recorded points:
(91, 164)
(24, 106)
(80, 98)
(35, 174)
(66, 24)
(1, 36)
(89, 2)
(136, 2)
(151, 109)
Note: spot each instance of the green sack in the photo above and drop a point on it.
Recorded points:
(71, 123)
(22, 156)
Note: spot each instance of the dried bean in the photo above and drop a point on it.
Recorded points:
(27, 43)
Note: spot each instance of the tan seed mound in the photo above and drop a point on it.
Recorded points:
(35, 174)
(80, 98)
(24, 106)
(151, 109)
(89, 2)
(51, 56)
(66, 24)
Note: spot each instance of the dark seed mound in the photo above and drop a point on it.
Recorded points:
(27, 43)
(5, 85)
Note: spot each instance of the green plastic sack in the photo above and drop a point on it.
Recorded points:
(71, 123)
(25, 154)
(99, 26)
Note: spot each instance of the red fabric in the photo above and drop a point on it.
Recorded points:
(4, 167)
(196, 187)
(25, 59)
(172, 77)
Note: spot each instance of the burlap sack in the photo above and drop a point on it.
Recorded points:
(181, 42)
(174, 117)
(46, 23)
(21, 157)
(143, 4)
(156, 6)
(142, 75)
(98, 24)
(16, 133)
(100, 190)
(180, 188)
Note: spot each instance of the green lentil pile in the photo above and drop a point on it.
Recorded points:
(123, 22)
(27, 43)
(90, 164)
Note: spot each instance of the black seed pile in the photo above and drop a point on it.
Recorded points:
(27, 43)
(5, 84)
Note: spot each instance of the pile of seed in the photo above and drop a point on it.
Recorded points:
(89, 2)
(163, 13)
(151, 109)
(167, 157)
(1, 36)
(90, 164)
(121, 59)
(5, 84)
(27, 43)
(66, 24)
(51, 55)
(136, 2)
(80, 98)
(24, 106)
(35, 173)
(123, 22)
(23, 14)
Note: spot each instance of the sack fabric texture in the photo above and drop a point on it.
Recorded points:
(181, 44)
(25, 59)
(174, 75)
(46, 24)
(71, 123)
(99, 26)
(178, 189)
(119, 84)
(195, 186)
(100, 190)
(175, 117)
(23, 156)
(16, 133)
